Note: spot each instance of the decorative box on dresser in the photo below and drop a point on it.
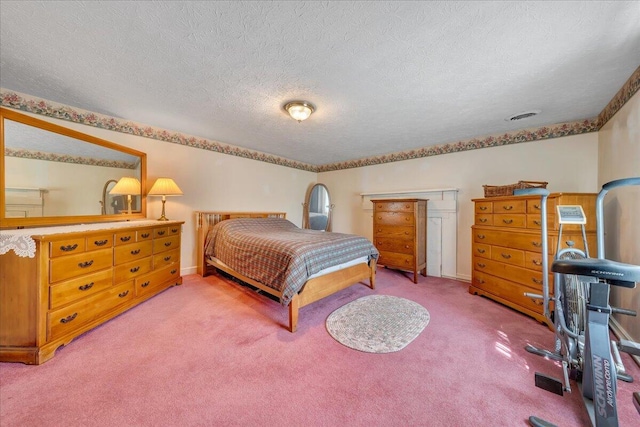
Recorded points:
(400, 234)
(59, 282)
(507, 246)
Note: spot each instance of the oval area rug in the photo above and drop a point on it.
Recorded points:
(378, 323)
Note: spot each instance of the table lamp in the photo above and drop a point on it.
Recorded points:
(127, 186)
(164, 187)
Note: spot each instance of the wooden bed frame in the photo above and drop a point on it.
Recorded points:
(313, 290)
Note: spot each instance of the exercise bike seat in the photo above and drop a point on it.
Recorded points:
(615, 273)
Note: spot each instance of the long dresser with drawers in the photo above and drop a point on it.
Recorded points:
(57, 283)
(507, 246)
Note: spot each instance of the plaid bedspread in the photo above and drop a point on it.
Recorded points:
(280, 255)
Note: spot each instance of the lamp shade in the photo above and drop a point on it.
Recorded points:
(127, 186)
(165, 187)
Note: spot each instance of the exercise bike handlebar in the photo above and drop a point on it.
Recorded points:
(600, 207)
(621, 183)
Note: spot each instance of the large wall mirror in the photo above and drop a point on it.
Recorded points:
(52, 175)
(317, 208)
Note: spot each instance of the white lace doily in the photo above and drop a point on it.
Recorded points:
(23, 246)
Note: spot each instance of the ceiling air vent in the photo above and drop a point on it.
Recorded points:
(522, 116)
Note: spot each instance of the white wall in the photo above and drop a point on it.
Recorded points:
(72, 189)
(619, 147)
(209, 181)
(569, 164)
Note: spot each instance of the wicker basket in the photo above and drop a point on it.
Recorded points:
(507, 190)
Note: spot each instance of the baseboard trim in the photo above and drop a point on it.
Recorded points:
(463, 278)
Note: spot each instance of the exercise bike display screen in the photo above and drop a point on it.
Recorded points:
(571, 214)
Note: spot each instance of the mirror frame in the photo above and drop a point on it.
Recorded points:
(305, 207)
(6, 113)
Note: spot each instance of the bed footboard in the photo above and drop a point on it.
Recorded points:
(323, 286)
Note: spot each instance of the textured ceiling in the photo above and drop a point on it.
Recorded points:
(384, 76)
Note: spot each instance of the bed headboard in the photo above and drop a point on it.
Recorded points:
(206, 220)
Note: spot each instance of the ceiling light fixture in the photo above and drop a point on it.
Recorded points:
(299, 110)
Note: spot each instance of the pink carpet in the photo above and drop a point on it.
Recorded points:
(211, 353)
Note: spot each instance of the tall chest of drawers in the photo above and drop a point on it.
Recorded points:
(507, 246)
(78, 280)
(400, 234)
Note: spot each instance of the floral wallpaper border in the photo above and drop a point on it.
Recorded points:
(53, 157)
(625, 93)
(23, 102)
(47, 108)
(516, 137)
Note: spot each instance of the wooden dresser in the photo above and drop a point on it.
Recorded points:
(400, 234)
(507, 246)
(78, 278)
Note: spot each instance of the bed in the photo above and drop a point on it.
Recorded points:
(313, 270)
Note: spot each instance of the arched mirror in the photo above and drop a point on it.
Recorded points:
(317, 209)
(51, 175)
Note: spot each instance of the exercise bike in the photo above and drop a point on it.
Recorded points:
(579, 311)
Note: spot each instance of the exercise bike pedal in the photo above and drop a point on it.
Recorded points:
(542, 352)
(549, 383)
